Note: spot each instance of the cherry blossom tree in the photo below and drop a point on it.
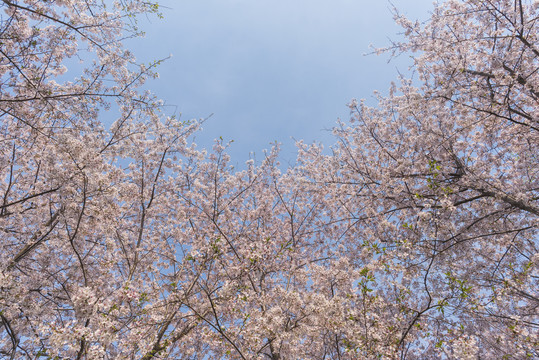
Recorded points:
(438, 188)
(79, 232)
(415, 237)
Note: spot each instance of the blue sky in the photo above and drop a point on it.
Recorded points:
(271, 70)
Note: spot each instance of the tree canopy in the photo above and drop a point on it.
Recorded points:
(414, 237)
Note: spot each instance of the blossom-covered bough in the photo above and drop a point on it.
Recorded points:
(441, 179)
(415, 238)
